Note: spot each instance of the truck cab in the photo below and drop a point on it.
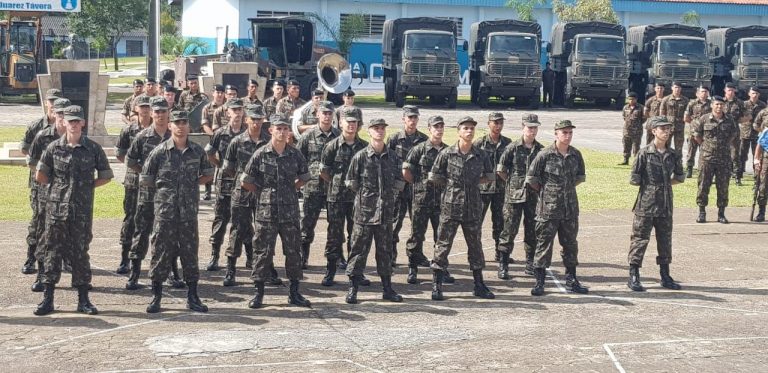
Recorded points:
(682, 59)
(751, 57)
(510, 68)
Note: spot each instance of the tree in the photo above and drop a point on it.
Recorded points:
(109, 20)
(176, 45)
(690, 18)
(585, 10)
(524, 8)
(345, 32)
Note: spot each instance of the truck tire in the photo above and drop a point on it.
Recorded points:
(436, 100)
(482, 99)
(473, 91)
(568, 96)
(619, 105)
(535, 101)
(452, 97)
(389, 89)
(399, 96)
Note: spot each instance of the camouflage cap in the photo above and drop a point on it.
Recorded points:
(410, 110)
(351, 113)
(159, 103)
(279, 120)
(434, 120)
(179, 115)
(377, 122)
(234, 103)
(326, 106)
(52, 94)
(531, 120)
(467, 119)
(495, 116)
(73, 112)
(565, 123)
(60, 104)
(255, 111)
(143, 100)
(659, 121)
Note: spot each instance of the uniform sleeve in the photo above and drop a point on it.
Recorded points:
(123, 141)
(29, 134)
(638, 168)
(103, 171)
(213, 144)
(647, 110)
(757, 124)
(506, 159)
(696, 127)
(352, 179)
(663, 107)
(46, 161)
(133, 158)
(439, 170)
(303, 144)
(205, 115)
(230, 157)
(206, 168)
(536, 170)
(399, 183)
(35, 151)
(581, 174)
(251, 174)
(149, 171)
(678, 174)
(127, 106)
(302, 171)
(413, 159)
(328, 156)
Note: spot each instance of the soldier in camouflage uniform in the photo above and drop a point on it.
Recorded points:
(69, 165)
(375, 178)
(128, 108)
(714, 133)
(633, 127)
(131, 180)
(493, 193)
(349, 101)
(760, 165)
(554, 175)
(308, 117)
(273, 173)
(216, 150)
(460, 169)
(655, 170)
(673, 107)
(286, 105)
(270, 104)
(652, 109)
(175, 169)
(206, 119)
(747, 134)
(738, 112)
(695, 109)
(519, 202)
(221, 116)
(402, 142)
(191, 99)
(252, 98)
(334, 162)
(314, 191)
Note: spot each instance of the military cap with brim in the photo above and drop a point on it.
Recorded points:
(138, 82)
(377, 122)
(218, 88)
(495, 116)
(410, 110)
(531, 120)
(73, 112)
(349, 93)
(435, 119)
(326, 106)
(52, 94)
(467, 119)
(150, 81)
(632, 95)
(192, 77)
(60, 104)
(143, 100)
(718, 98)
(179, 115)
(294, 82)
(278, 120)
(159, 103)
(254, 111)
(659, 121)
(234, 103)
(565, 123)
(351, 113)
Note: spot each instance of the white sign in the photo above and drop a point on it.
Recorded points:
(67, 6)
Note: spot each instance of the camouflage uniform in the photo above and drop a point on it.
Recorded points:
(748, 135)
(401, 143)
(252, 101)
(674, 109)
(128, 108)
(175, 174)
(695, 110)
(220, 117)
(426, 198)
(270, 105)
(736, 109)
(714, 157)
(632, 135)
(188, 101)
(131, 185)
(29, 136)
(654, 172)
(762, 192)
(207, 113)
(39, 144)
(652, 109)
(286, 105)
(341, 110)
(492, 193)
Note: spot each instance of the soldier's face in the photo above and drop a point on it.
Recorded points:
(278, 91)
(160, 117)
(410, 122)
(717, 107)
(377, 132)
(437, 131)
(316, 99)
(170, 97)
(144, 111)
(730, 93)
(349, 127)
(495, 126)
(194, 85)
(467, 131)
(325, 117)
(754, 96)
(702, 94)
(280, 133)
(231, 93)
(349, 100)
(252, 89)
(61, 124)
(659, 91)
(293, 91)
(180, 128)
(49, 107)
(75, 127)
(530, 132)
(676, 89)
(138, 88)
(632, 101)
(218, 96)
(235, 114)
(255, 123)
(564, 136)
(150, 89)
(662, 133)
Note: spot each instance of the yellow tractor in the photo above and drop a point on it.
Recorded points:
(20, 44)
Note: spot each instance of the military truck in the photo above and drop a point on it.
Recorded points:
(419, 59)
(667, 53)
(739, 55)
(504, 62)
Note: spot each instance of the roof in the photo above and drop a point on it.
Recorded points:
(57, 26)
(730, 2)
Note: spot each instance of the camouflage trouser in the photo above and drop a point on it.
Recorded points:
(746, 146)
(690, 154)
(264, 239)
(32, 227)
(222, 210)
(762, 192)
(312, 205)
(40, 232)
(403, 205)
(172, 239)
(641, 235)
(631, 143)
(566, 231)
(496, 203)
(68, 239)
(241, 231)
(339, 215)
(145, 217)
(513, 214)
(721, 172)
(445, 235)
(678, 137)
(129, 208)
(735, 154)
(422, 216)
(362, 237)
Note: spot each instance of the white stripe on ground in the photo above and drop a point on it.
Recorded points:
(200, 367)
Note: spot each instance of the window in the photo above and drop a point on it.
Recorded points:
(272, 13)
(459, 24)
(374, 23)
(134, 48)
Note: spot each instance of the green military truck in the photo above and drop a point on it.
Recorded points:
(504, 62)
(739, 55)
(667, 53)
(419, 59)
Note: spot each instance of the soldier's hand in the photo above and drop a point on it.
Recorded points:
(756, 166)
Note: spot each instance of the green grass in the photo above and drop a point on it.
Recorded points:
(11, 134)
(117, 97)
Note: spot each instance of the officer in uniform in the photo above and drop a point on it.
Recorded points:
(761, 172)
(747, 134)
(128, 109)
(738, 112)
(270, 104)
(274, 171)
(286, 105)
(314, 191)
(175, 169)
(402, 142)
(548, 83)
(169, 93)
(492, 193)
(694, 110)
(374, 176)
(216, 150)
(652, 109)
(308, 117)
(206, 120)
(460, 169)
(69, 165)
(714, 133)
(633, 127)
(673, 107)
(519, 202)
(192, 98)
(221, 115)
(349, 101)
(554, 175)
(252, 98)
(655, 170)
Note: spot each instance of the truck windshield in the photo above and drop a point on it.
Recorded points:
(512, 44)
(426, 43)
(755, 48)
(23, 38)
(682, 47)
(600, 45)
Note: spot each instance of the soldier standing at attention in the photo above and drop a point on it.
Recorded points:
(273, 174)
(308, 117)
(519, 202)
(216, 150)
(739, 114)
(349, 101)
(176, 168)
(192, 98)
(128, 108)
(714, 133)
(653, 109)
(69, 165)
(206, 119)
(747, 134)
(221, 115)
(492, 193)
(401, 143)
(673, 107)
(554, 175)
(150, 88)
(761, 171)
(694, 110)
(460, 169)
(337, 154)
(633, 127)
(548, 83)
(374, 175)
(286, 105)
(314, 191)
(270, 104)
(169, 93)
(252, 98)
(131, 180)
(655, 170)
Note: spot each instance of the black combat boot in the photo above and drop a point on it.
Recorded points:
(689, 172)
(447, 278)
(738, 181)
(229, 278)
(422, 261)
(760, 214)
(157, 297)
(305, 255)
(666, 280)
(529, 264)
(538, 288)
(133, 279)
(29, 265)
(123, 267)
(294, 297)
(83, 303)
(504, 266)
(721, 216)
(497, 256)
(193, 301)
(46, 306)
(702, 215)
(175, 280)
(389, 293)
(258, 297)
(625, 161)
(38, 286)
(413, 274)
(249, 256)
(364, 281)
(342, 262)
(274, 279)
(207, 195)
(354, 283)
(572, 284)
(481, 290)
(330, 273)
(437, 285)
(213, 264)
(634, 279)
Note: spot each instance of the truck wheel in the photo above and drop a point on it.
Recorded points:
(569, 97)
(603, 102)
(620, 102)
(535, 101)
(482, 99)
(399, 96)
(452, 97)
(474, 89)
(436, 100)
(389, 88)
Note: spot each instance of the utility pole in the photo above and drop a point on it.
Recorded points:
(153, 39)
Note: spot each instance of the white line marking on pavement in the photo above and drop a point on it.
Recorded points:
(615, 361)
(627, 299)
(557, 282)
(199, 367)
